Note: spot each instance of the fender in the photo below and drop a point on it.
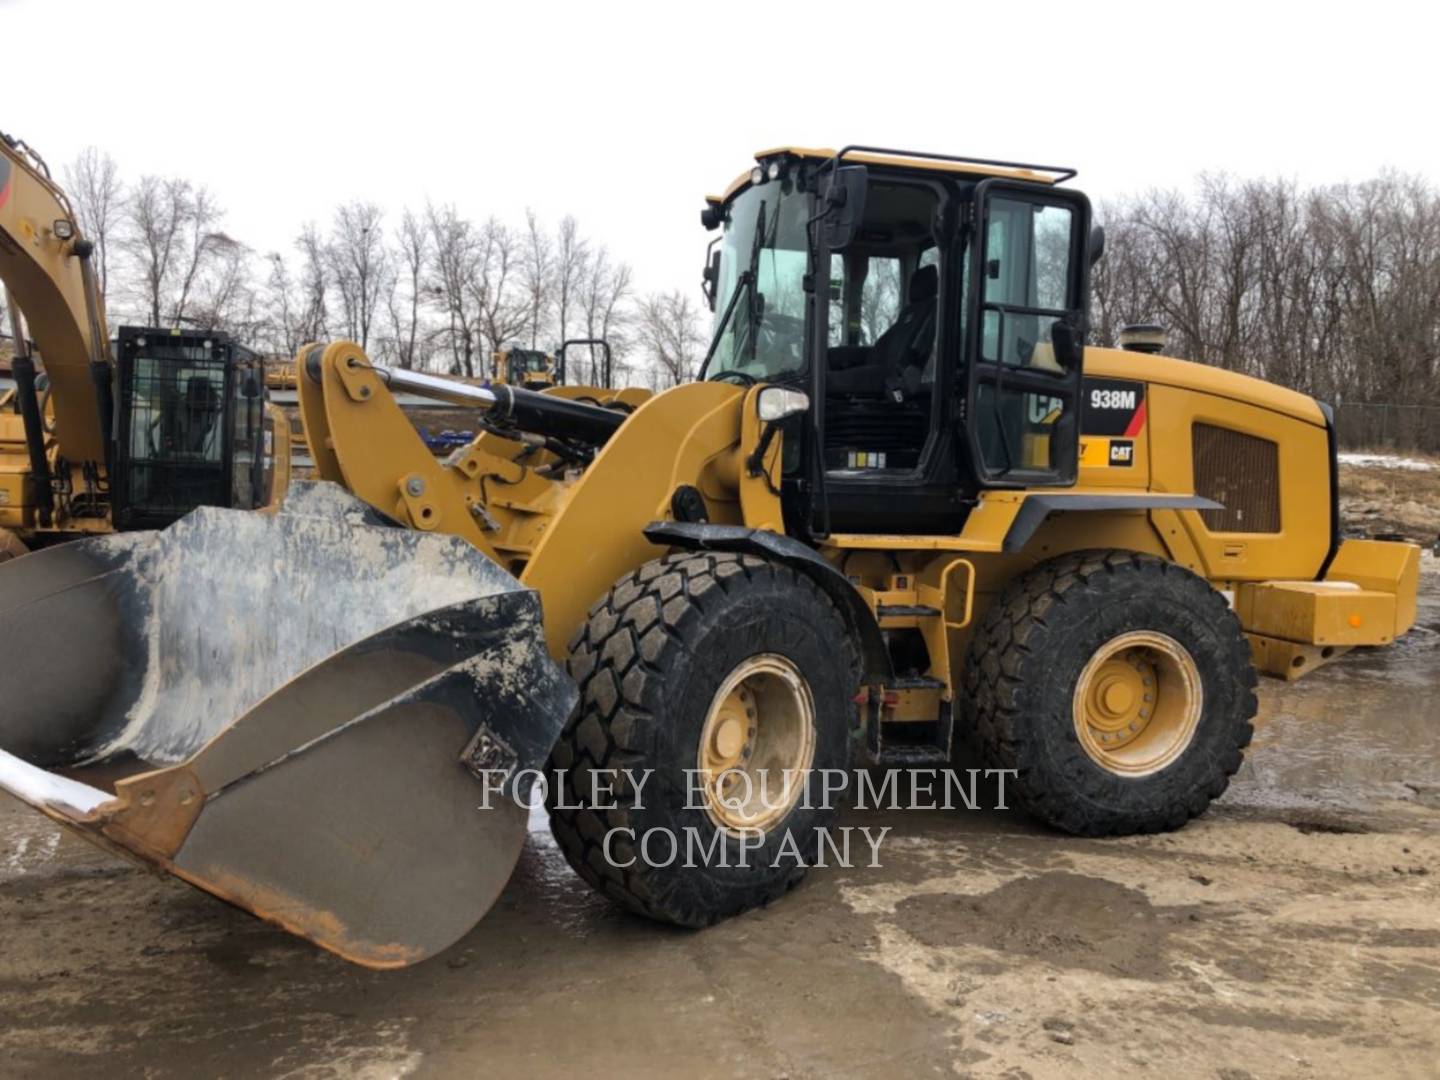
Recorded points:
(1039, 507)
(703, 536)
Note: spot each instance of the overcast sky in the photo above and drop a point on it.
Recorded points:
(626, 115)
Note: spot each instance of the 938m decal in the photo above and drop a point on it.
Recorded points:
(1112, 418)
(1113, 407)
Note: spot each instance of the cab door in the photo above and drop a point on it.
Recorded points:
(1024, 327)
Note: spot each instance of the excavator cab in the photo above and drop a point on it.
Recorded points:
(190, 426)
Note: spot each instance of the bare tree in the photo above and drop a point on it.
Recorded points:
(359, 266)
(1334, 291)
(572, 259)
(412, 253)
(504, 315)
(223, 296)
(282, 332)
(157, 216)
(537, 272)
(671, 336)
(313, 287)
(879, 299)
(93, 183)
(453, 266)
(204, 241)
(604, 294)
(171, 235)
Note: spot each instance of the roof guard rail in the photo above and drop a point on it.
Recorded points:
(1060, 173)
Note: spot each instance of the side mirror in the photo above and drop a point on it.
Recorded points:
(844, 206)
(1097, 244)
(711, 278)
(1067, 336)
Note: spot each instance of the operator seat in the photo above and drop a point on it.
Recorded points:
(907, 344)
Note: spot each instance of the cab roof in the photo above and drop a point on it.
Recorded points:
(903, 159)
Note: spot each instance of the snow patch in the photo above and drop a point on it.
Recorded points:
(1389, 461)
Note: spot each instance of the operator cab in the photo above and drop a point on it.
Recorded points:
(850, 276)
(190, 426)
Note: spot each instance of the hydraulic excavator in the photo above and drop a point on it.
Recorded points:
(904, 505)
(133, 434)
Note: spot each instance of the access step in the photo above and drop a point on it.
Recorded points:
(905, 611)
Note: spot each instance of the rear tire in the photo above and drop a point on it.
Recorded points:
(1119, 687)
(669, 663)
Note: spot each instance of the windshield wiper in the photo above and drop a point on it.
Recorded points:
(745, 283)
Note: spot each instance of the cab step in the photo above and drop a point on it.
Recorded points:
(905, 611)
(908, 743)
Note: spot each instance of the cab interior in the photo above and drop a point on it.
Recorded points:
(883, 322)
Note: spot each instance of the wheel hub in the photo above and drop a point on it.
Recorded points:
(757, 744)
(1138, 702)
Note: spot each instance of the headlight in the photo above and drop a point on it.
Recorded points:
(757, 175)
(778, 402)
(63, 229)
(773, 170)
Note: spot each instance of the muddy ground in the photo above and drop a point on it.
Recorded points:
(1377, 498)
(1294, 931)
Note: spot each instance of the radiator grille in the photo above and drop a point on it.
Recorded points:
(1242, 473)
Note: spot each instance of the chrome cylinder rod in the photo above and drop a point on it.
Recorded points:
(526, 410)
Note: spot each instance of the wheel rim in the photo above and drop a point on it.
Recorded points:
(757, 744)
(1138, 703)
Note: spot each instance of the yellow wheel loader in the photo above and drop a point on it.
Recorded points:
(104, 440)
(534, 369)
(903, 505)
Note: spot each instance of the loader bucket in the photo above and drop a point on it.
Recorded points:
(315, 715)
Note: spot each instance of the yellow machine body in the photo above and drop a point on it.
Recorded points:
(573, 533)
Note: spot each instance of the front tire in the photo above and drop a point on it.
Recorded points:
(696, 669)
(1119, 688)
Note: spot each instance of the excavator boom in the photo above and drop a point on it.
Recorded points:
(44, 264)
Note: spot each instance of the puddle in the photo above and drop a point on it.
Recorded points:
(1366, 726)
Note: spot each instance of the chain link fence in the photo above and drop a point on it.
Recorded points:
(1388, 426)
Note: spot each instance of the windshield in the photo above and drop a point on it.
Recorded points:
(765, 334)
